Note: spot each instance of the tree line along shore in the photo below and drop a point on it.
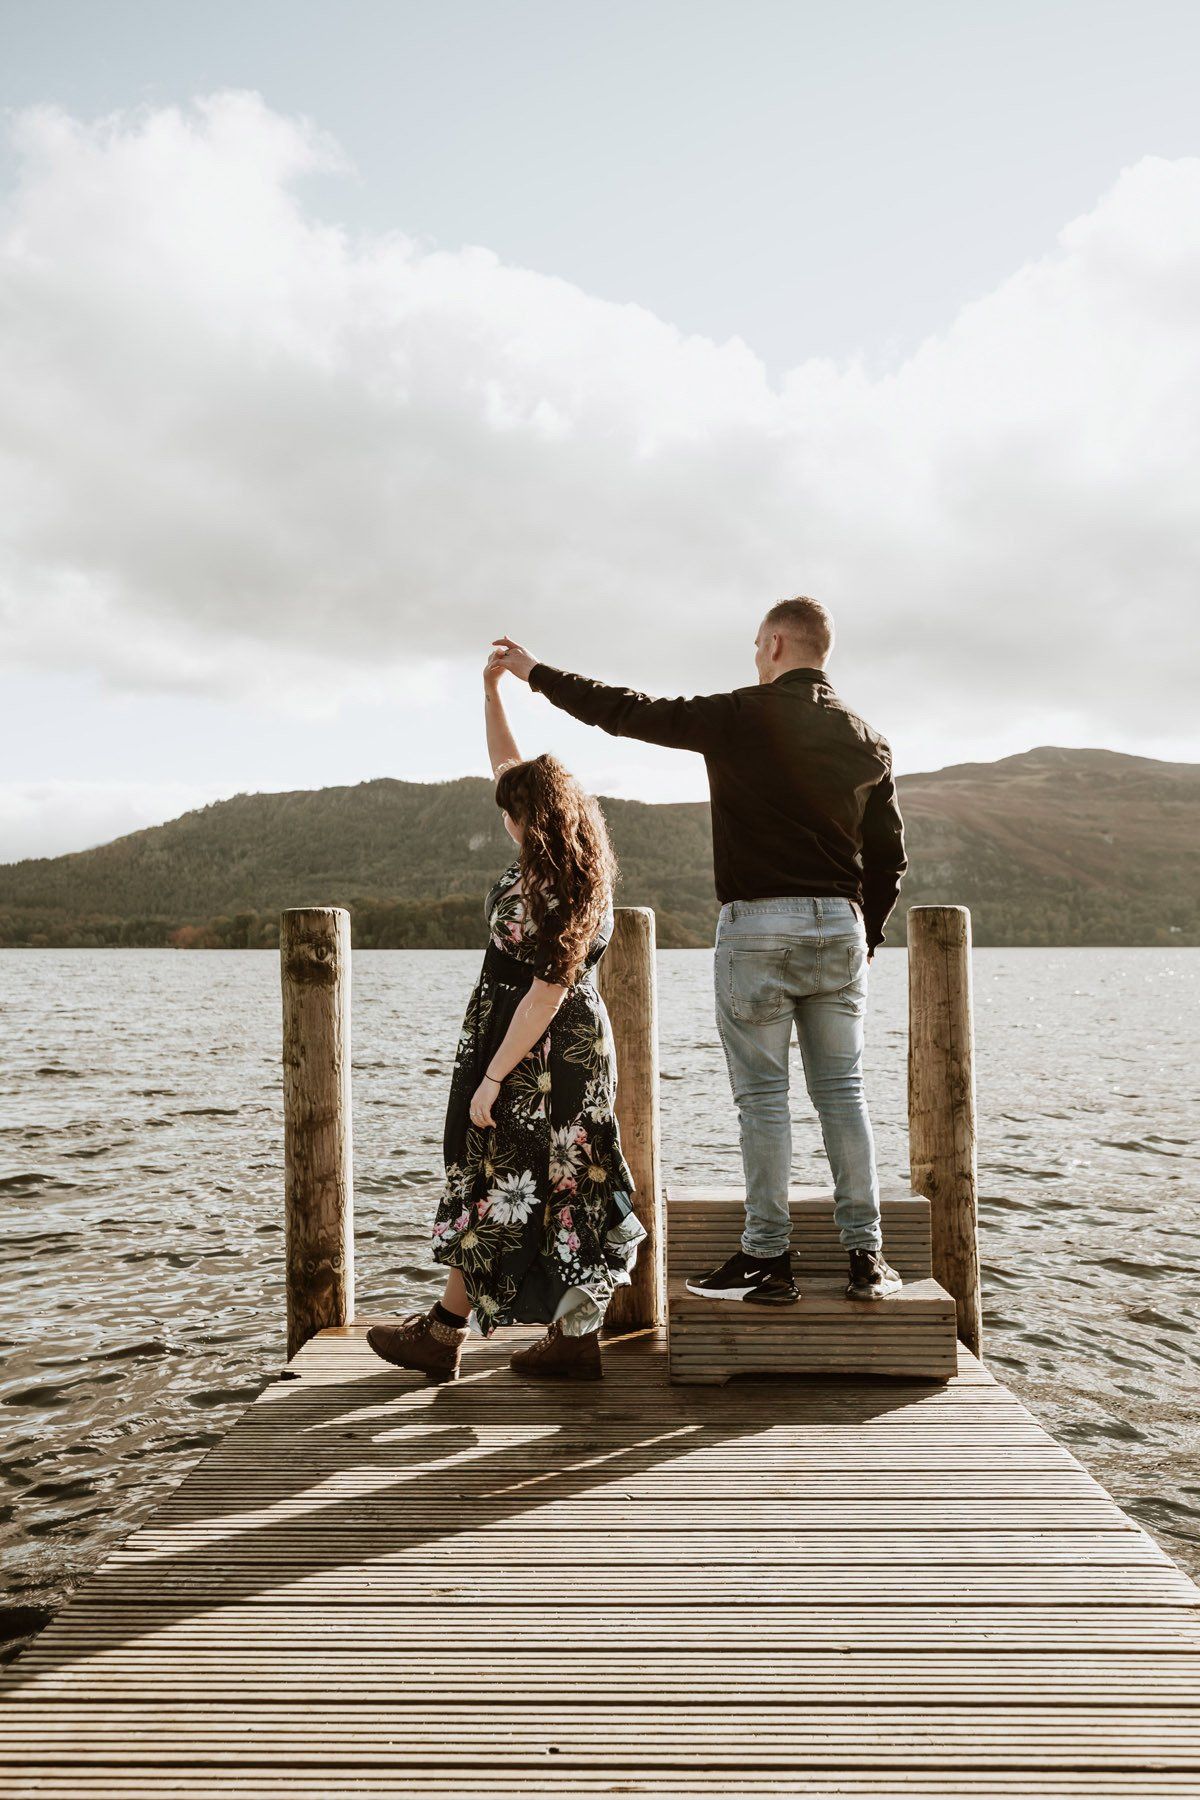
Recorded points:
(1055, 846)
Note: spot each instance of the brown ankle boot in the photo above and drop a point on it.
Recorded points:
(420, 1342)
(560, 1358)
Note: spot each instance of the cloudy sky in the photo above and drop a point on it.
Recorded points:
(335, 340)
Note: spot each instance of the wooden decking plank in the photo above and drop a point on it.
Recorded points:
(403, 1676)
(813, 1526)
(384, 1547)
(794, 1621)
(426, 1482)
(651, 1632)
(660, 1435)
(45, 1782)
(735, 1735)
(521, 1589)
(861, 1516)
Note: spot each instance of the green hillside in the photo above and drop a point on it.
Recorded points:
(1053, 846)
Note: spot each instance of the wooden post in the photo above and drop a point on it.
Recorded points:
(314, 956)
(941, 1101)
(629, 985)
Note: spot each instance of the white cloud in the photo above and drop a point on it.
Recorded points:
(49, 818)
(247, 454)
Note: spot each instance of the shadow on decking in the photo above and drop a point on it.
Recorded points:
(143, 1590)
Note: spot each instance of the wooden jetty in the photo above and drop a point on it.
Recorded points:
(375, 1587)
(829, 1585)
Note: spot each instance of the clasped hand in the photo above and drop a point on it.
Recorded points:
(507, 657)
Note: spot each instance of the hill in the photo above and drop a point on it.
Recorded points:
(1060, 847)
(1051, 846)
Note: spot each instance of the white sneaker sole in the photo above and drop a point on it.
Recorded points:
(883, 1293)
(732, 1293)
(749, 1295)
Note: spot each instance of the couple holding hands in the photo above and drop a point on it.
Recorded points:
(536, 1222)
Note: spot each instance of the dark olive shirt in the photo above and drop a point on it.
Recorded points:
(803, 800)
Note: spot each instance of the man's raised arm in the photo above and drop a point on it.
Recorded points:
(696, 724)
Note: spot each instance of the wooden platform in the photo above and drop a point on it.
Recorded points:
(909, 1333)
(373, 1587)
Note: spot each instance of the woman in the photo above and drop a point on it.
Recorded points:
(536, 1221)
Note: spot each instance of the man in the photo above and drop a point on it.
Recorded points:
(808, 853)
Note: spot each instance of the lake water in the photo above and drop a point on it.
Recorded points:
(141, 1183)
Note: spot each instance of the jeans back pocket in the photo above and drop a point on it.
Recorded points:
(753, 980)
(852, 989)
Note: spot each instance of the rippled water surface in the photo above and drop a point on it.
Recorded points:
(141, 1181)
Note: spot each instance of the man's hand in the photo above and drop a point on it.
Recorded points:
(513, 657)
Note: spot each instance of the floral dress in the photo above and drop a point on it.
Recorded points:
(537, 1211)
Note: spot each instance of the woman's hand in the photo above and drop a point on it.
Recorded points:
(493, 669)
(482, 1101)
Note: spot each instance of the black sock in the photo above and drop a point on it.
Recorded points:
(444, 1316)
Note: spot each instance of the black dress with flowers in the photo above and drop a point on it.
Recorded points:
(537, 1212)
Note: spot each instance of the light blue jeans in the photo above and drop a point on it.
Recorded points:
(800, 961)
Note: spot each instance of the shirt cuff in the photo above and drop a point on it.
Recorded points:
(541, 675)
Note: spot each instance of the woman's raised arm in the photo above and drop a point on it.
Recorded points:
(501, 744)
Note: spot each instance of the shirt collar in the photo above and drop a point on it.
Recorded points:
(804, 675)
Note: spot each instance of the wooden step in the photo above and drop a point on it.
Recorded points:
(704, 1226)
(910, 1333)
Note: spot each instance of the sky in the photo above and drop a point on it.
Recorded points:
(335, 341)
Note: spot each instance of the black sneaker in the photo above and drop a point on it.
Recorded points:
(765, 1280)
(870, 1277)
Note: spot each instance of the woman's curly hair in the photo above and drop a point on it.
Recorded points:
(567, 864)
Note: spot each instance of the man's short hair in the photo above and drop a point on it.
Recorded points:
(805, 620)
